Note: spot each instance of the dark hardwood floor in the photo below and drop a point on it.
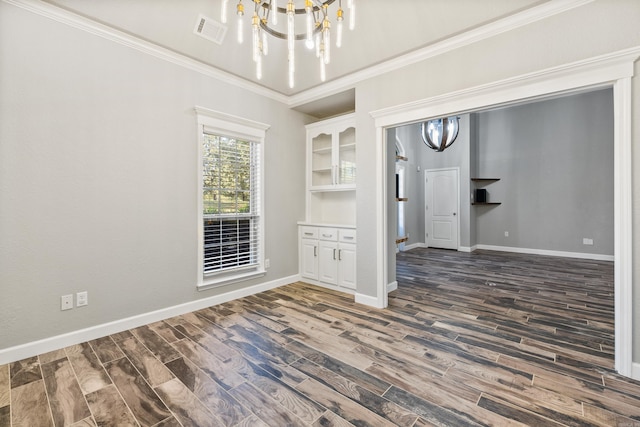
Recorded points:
(468, 339)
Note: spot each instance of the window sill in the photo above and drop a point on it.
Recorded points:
(211, 283)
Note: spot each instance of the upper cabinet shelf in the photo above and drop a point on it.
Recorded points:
(332, 155)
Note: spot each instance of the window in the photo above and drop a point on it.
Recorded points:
(230, 244)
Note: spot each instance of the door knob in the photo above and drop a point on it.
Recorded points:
(454, 214)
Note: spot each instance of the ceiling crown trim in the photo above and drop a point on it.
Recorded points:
(503, 25)
(109, 33)
(341, 84)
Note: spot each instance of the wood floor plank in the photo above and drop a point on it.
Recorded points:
(185, 405)
(528, 397)
(169, 422)
(208, 342)
(87, 422)
(52, 356)
(5, 386)
(65, 397)
(208, 391)
(252, 421)
(155, 343)
(25, 371)
(329, 419)
(212, 366)
(91, 375)
(515, 413)
(482, 338)
(5, 416)
(29, 405)
(288, 397)
(106, 349)
(346, 371)
(596, 396)
(428, 412)
(108, 408)
(602, 417)
(145, 362)
(166, 331)
(264, 407)
(354, 391)
(246, 341)
(146, 406)
(342, 405)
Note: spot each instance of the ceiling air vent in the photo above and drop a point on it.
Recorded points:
(210, 29)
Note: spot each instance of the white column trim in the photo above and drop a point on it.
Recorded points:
(623, 226)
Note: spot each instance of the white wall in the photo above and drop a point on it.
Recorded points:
(596, 28)
(98, 185)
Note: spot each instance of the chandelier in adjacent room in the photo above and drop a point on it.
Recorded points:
(438, 134)
(316, 31)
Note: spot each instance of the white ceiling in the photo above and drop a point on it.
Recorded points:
(385, 29)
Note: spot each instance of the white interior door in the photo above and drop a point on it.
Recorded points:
(441, 208)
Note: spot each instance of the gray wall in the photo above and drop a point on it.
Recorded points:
(554, 159)
(98, 181)
(555, 162)
(423, 158)
(593, 29)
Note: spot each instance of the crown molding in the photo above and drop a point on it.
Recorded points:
(500, 26)
(600, 70)
(109, 33)
(503, 25)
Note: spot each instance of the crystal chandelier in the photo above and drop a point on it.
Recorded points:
(316, 33)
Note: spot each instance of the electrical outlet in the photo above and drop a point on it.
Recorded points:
(66, 302)
(267, 263)
(586, 241)
(506, 234)
(82, 298)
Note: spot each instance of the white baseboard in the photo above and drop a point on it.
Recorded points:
(34, 348)
(367, 300)
(392, 286)
(414, 245)
(597, 257)
(635, 371)
(468, 248)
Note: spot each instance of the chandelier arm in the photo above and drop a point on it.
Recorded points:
(445, 133)
(283, 36)
(318, 6)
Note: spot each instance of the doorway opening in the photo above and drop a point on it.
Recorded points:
(613, 70)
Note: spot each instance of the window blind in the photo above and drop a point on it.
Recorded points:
(231, 217)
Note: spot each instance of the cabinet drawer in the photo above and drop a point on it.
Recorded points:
(309, 232)
(348, 236)
(328, 234)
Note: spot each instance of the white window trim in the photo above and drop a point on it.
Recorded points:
(219, 123)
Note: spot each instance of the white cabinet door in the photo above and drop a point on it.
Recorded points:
(331, 154)
(347, 265)
(328, 264)
(309, 258)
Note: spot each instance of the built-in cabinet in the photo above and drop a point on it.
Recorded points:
(327, 242)
(328, 256)
(332, 155)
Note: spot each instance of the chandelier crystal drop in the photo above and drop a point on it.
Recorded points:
(316, 28)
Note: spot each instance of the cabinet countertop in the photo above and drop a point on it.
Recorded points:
(321, 224)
